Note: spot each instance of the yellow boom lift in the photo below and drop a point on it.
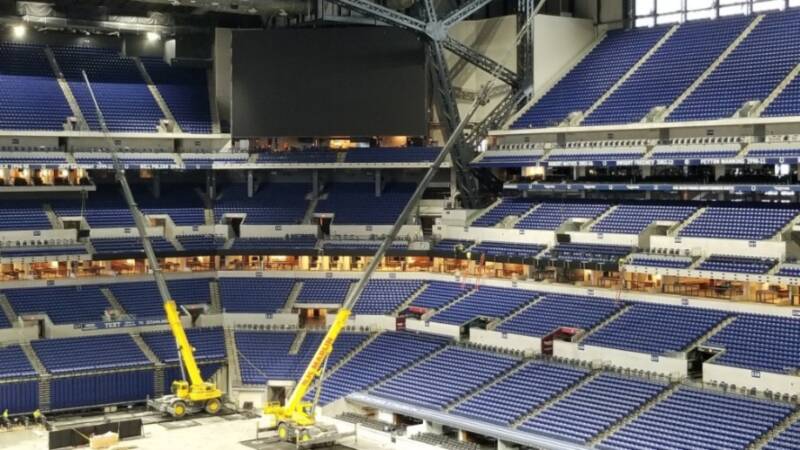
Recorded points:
(295, 420)
(188, 396)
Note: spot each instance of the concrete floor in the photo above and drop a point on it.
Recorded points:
(209, 433)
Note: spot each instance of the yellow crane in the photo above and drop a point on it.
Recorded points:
(188, 396)
(295, 419)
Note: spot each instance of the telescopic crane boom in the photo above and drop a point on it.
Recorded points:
(196, 394)
(295, 419)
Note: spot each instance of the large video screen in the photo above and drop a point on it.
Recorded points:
(360, 81)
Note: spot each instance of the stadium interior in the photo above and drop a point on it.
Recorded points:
(400, 224)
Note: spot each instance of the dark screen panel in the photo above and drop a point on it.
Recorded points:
(328, 82)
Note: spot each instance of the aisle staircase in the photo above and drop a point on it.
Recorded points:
(66, 90)
(5, 308)
(112, 299)
(298, 341)
(234, 370)
(778, 90)
(44, 376)
(604, 323)
(158, 373)
(769, 435)
(478, 390)
(411, 298)
(293, 294)
(216, 297)
(151, 86)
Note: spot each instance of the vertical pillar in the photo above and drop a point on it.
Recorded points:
(250, 185)
(157, 184)
(719, 172)
(211, 181)
(378, 183)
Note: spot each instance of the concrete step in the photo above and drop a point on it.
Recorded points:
(778, 90)
(604, 323)
(630, 72)
(66, 90)
(432, 312)
(634, 415)
(298, 286)
(488, 385)
(216, 297)
(588, 225)
(719, 327)
(44, 393)
(112, 299)
(156, 94)
(577, 385)
(411, 299)
(344, 360)
(52, 217)
(685, 223)
(212, 102)
(768, 436)
(234, 370)
(518, 312)
(33, 358)
(148, 352)
(712, 67)
(5, 308)
(299, 338)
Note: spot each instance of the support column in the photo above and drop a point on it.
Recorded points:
(211, 181)
(378, 183)
(250, 185)
(157, 184)
(315, 183)
(719, 172)
(431, 427)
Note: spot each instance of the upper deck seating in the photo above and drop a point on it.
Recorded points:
(589, 252)
(751, 72)
(123, 96)
(113, 351)
(550, 216)
(384, 296)
(505, 250)
(302, 156)
(678, 152)
(558, 310)
(23, 215)
(486, 301)
(30, 98)
(749, 223)
(101, 209)
(356, 203)
(185, 89)
(439, 294)
(445, 377)
(254, 295)
(278, 203)
(63, 304)
(324, 290)
(130, 245)
(392, 155)
(582, 86)
(633, 219)
(509, 206)
(759, 342)
(517, 394)
(725, 263)
(143, 299)
(296, 242)
(669, 262)
(656, 329)
(670, 70)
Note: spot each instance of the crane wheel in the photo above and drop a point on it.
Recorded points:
(283, 431)
(178, 409)
(213, 406)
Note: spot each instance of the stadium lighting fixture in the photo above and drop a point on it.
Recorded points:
(19, 31)
(152, 36)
